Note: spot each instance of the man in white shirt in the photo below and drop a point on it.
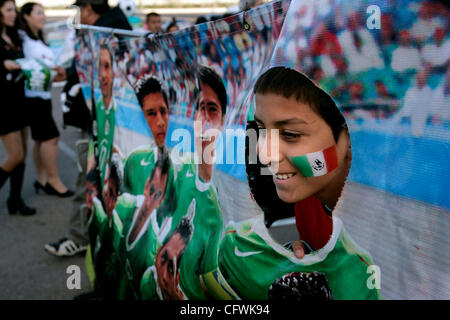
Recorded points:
(440, 104)
(360, 48)
(416, 105)
(437, 54)
(405, 56)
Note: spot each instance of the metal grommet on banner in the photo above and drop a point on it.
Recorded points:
(247, 25)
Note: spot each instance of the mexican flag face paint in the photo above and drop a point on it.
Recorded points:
(316, 164)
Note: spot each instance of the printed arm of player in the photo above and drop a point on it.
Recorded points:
(91, 186)
(215, 285)
(406, 108)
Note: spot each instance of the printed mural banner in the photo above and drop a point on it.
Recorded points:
(292, 151)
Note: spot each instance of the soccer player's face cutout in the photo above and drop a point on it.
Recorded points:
(166, 263)
(105, 74)
(156, 114)
(301, 131)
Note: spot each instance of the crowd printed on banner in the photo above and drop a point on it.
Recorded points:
(167, 114)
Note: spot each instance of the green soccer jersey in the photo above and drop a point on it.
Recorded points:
(201, 254)
(137, 168)
(99, 224)
(105, 136)
(137, 254)
(251, 260)
(149, 285)
(139, 164)
(104, 234)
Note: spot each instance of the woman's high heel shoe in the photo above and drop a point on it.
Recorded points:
(38, 186)
(50, 190)
(18, 206)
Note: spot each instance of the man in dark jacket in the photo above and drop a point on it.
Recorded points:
(97, 13)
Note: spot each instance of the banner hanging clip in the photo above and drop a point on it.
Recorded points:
(247, 25)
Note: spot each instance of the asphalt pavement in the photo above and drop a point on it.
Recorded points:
(26, 270)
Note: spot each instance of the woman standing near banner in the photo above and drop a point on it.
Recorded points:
(13, 130)
(39, 105)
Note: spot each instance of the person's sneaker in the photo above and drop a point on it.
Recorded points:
(64, 248)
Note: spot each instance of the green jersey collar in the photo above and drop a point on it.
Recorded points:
(259, 227)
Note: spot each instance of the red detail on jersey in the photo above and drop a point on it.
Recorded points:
(313, 224)
(363, 260)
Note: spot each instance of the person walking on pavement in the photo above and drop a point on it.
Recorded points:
(13, 124)
(97, 13)
(39, 105)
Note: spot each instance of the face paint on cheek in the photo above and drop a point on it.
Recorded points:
(316, 164)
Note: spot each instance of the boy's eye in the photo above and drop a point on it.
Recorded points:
(151, 113)
(212, 109)
(290, 135)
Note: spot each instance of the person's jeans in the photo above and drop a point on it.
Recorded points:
(78, 229)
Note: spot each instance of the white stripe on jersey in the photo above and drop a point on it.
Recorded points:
(139, 202)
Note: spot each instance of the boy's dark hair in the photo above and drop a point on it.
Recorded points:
(288, 82)
(209, 77)
(148, 85)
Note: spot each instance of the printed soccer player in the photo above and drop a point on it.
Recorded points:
(149, 201)
(199, 277)
(105, 112)
(162, 279)
(105, 228)
(155, 107)
(140, 239)
(209, 119)
(309, 170)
